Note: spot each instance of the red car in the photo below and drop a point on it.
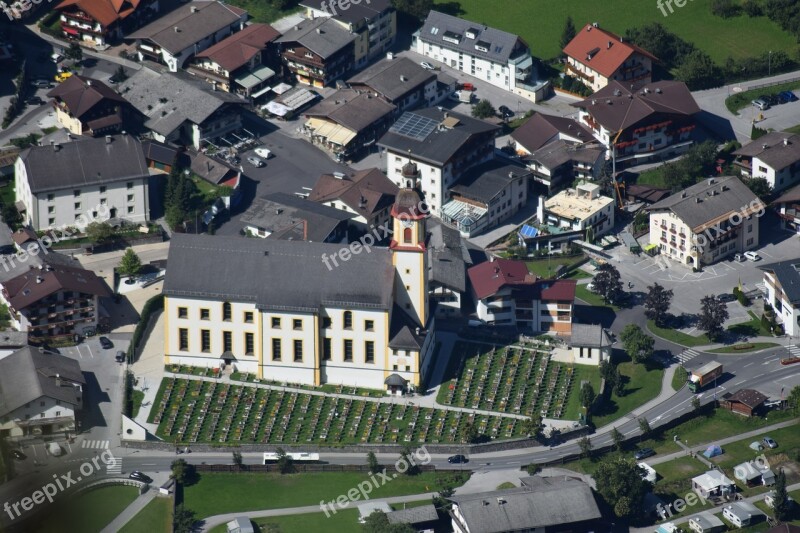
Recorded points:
(467, 87)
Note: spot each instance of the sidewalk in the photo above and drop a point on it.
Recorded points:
(130, 511)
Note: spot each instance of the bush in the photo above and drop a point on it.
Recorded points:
(751, 8)
(156, 303)
(725, 8)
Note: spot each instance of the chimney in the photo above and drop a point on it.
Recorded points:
(417, 331)
(609, 44)
(540, 210)
(88, 83)
(56, 146)
(711, 181)
(177, 30)
(108, 139)
(53, 144)
(389, 56)
(403, 78)
(297, 28)
(194, 9)
(213, 85)
(785, 141)
(39, 279)
(319, 31)
(58, 380)
(278, 211)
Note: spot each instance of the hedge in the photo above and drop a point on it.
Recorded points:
(156, 303)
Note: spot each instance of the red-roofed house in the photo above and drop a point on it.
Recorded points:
(507, 294)
(98, 21)
(596, 56)
(236, 63)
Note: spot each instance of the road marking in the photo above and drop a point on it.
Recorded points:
(90, 351)
(748, 364)
(78, 349)
(765, 363)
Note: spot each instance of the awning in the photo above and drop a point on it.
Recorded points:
(297, 99)
(71, 31)
(650, 247)
(254, 77)
(330, 131)
(261, 92)
(277, 109)
(281, 88)
(396, 380)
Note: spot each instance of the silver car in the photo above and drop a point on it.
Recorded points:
(256, 161)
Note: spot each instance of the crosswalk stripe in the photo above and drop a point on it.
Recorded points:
(100, 444)
(115, 467)
(686, 355)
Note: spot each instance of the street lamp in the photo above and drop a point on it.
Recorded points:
(769, 64)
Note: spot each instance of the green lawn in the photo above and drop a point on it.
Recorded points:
(7, 194)
(547, 268)
(89, 512)
(741, 100)
(582, 373)
(751, 328)
(595, 300)
(653, 177)
(263, 11)
(793, 129)
(342, 522)
(737, 452)
(678, 337)
(745, 348)
(156, 517)
(738, 36)
(138, 396)
(218, 493)
(642, 385)
(679, 378)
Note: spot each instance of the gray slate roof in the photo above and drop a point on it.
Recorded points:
(589, 335)
(169, 99)
(276, 274)
(393, 78)
(788, 275)
(281, 211)
(707, 521)
(501, 43)
(777, 149)
(413, 515)
(27, 375)
(208, 19)
(548, 502)
(485, 181)
(89, 162)
(441, 144)
(330, 38)
(559, 152)
(352, 109)
(448, 256)
(718, 197)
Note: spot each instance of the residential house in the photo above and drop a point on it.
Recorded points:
(596, 56)
(498, 57)
(286, 216)
(219, 173)
(441, 145)
(782, 292)
(348, 121)
(788, 208)
(541, 504)
(237, 64)
(540, 130)
(184, 32)
(644, 193)
(706, 523)
(744, 401)
(578, 209)
(159, 156)
(86, 106)
(774, 157)
(374, 23)
(318, 52)
(590, 344)
(181, 109)
(307, 320)
(400, 82)
(368, 194)
(712, 484)
(742, 513)
(505, 293)
(54, 301)
(421, 518)
(449, 259)
(64, 184)
(560, 163)
(753, 473)
(648, 124)
(101, 22)
(485, 196)
(706, 222)
(40, 394)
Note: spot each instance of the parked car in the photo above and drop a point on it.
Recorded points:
(106, 343)
(255, 161)
(787, 96)
(466, 86)
(752, 256)
(739, 258)
(35, 100)
(457, 459)
(426, 65)
(61, 76)
(263, 152)
(56, 58)
(41, 83)
(120, 357)
(505, 112)
(761, 103)
(138, 476)
(18, 455)
(590, 286)
(726, 297)
(769, 442)
(113, 80)
(644, 453)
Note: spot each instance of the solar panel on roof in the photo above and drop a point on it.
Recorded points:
(528, 231)
(414, 126)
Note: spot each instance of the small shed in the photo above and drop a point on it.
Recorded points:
(744, 401)
(366, 509)
(240, 524)
(752, 474)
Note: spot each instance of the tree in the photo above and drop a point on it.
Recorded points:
(120, 74)
(285, 462)
(372, 461)
(74, 52)
(695, 403)
(656, 303)
(620, 483)
(445, 489)
(237, 459)
(483, 109)
(644, 427)
(471, 433)
(130, 265)
(182, 520)
(793, 401)
(378, 522)
(759, 186)
(99, 232)
(568, 33)
(618, 439)
(175, 217)
(607, 282)
(637, 343)
(11, 216)
(586, 446)
(587, 395)
(180, 470)
(405, 456)
(782, 506)
(418, 9)
(713, 314)
(619, 383)
(698, 71)
(532, 426)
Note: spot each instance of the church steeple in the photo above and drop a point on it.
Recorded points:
(410, 174)
(409, 254)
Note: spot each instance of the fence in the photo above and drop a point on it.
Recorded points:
(772, 84)
(297, 468)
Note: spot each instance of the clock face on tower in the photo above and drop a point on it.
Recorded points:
(407, 223)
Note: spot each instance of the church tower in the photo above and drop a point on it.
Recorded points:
(409, 252)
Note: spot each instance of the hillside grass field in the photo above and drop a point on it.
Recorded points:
(540, 23)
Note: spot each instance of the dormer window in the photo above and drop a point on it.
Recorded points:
(483, 46)
(471, 33)
(451, 37)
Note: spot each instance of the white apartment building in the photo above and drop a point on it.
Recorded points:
(774, 157)
(76, 182)
(782, 292)
(578, 209)
(500, 58)
(293, 311)
(706, 222)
